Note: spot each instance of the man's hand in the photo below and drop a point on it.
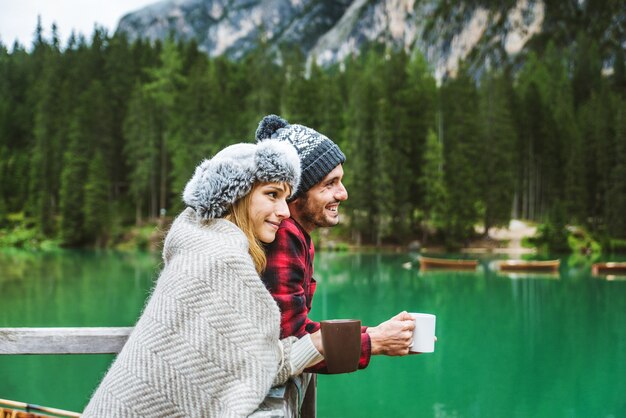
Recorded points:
(393, 337)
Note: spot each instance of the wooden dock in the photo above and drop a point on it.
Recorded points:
(297, 398)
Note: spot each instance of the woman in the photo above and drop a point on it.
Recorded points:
(207, 343)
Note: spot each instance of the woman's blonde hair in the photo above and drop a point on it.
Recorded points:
(239, 214)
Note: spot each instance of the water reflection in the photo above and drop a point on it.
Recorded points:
(74, 288)
(529, 276)
(523, 346)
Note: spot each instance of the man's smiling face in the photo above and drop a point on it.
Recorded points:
(319, 207)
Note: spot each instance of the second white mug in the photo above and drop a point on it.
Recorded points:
(424, 334)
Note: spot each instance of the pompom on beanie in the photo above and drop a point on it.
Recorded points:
(318, 154)
(228, 176)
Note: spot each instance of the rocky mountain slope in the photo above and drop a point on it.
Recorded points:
(485, 32)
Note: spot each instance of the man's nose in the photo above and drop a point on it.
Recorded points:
(342, 193)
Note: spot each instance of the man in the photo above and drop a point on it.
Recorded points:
(289, 272)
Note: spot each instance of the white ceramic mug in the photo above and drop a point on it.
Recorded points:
(424, 334)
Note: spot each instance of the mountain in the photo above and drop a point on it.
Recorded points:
(483, 32)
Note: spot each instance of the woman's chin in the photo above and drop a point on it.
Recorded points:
(267, 238)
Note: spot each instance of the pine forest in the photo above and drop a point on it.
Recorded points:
(101, 135)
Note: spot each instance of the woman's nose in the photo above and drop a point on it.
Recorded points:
(282, 210)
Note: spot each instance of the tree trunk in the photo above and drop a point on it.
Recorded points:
(138, 213)
(163, 191)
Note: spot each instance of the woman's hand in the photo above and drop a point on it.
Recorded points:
(316, 337)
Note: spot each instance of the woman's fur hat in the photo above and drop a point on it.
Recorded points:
(231, 173)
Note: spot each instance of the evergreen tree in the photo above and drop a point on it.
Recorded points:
(616, 192)
(417, 101)
(120, 72)
(89, 132)
(619, 71)
(75, 160)
(595, 121)
(564, 148)
(331, 104)
(165, 83)
(141, 149)
(497, 146)
(385, 167)
(265, 78)
(361, 149)
(562, 143)
(233, 92)
(575, 198)
(432, 184)
(195, 129)
(392, 143)
(298, 95)
(15, 128)
(81, 98)
(97, 203)
(460, 136)
(49, 133)
(318, 116)
(539, 149)
(587, 69)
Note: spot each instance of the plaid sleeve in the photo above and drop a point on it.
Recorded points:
(285, 278)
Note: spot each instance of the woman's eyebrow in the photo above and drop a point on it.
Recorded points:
(278, 188)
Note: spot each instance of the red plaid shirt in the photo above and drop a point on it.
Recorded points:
(289, 278)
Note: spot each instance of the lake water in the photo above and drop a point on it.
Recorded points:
(529, 346)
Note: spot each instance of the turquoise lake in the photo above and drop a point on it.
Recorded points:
(508, 346)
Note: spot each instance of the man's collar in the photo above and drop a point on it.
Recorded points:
(300, 227)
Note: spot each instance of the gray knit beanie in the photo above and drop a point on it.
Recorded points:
(318, 154)
(228, 176)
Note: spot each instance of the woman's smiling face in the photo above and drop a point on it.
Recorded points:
(268, 207)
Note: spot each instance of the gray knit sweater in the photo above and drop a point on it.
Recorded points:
(207, 343)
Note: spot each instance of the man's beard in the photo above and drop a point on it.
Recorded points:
(311, 215)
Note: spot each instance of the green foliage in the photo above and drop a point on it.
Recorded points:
(496, 148)
(581, 242)
(104, 134)
(25, 236)
(49, 133)
(194, 134)
(460, 137)
(552, 236)
(137, 238)
(141, 147)
(587, 69)
(20, 237)
(615, 246)
(596, 137)
(432, 184)
(97, 207)
(616, 185)
(71, 194)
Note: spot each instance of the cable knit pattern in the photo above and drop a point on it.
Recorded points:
(207, 343)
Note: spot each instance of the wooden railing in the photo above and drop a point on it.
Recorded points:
(296, 398)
